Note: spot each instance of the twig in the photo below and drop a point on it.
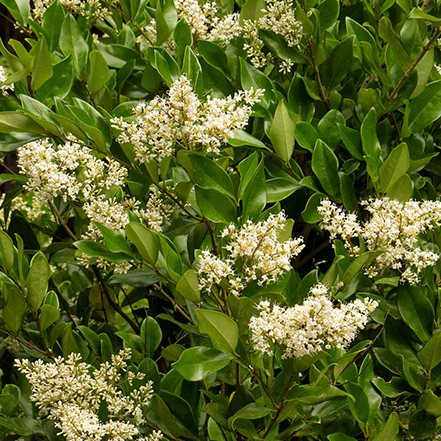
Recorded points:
(406, 75)
(317, 76)
(172, 301)
(112, 303)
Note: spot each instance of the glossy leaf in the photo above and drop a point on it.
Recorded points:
(394, 167)
(416, 310)
(188, 286)
(72, 42)
(215, 205)
(99, 73)
(199, 362)
(282, 132)
(430, 355)
(37, 280)
(222, 330)
(371, 146)
(325, 166)
(144, 241)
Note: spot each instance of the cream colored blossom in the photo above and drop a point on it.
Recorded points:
(254, 253)
(307, 329)
(73, 392)
(394, 227)
(278, 17)
(88, 8)
(182, 118)
(5, 88)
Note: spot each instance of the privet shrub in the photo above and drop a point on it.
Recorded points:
(222, 221)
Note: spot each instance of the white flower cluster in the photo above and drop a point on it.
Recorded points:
(73, 397)
(88, 8)
(205, 24)
(203, 21)
(394, 227)
(182, 118)
(279, 17)
(308, 328)
(5, 88)
(254, 253)
(69, 170)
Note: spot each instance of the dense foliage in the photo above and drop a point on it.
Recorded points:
(220, 220)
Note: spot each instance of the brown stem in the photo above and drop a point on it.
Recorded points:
(406, 75)
(279, 407)
(62, 221)
(63, 301)
(298, 264)
(317, 76)
(28, 345)
(365, 350)
(172, 301)
(112, 303)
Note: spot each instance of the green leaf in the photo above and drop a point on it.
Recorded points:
(99, 73)
(352, 141)
(336, 66)
(9, 399)
(59, 85)
(402, 189)
(280, 188)
(199, 362)
(282, 132)
(360, 262)
(310, 214)
(37, 280)
(48, 315)
(151, 335)
(215, 205)
(144, 240)
(328, 128)
(14, 310)
(340, 436)
(422, 425)
(253, 78)
(371, 145)
(395, 166)
(42, 69)
(72, 42)
(52, 17)
(115, 241)
(242, 138)
(19, 9)
(416, 310)
(394, 388)
(325, 165)
(430, 355)
(390, 429)
(425, 108)
(214, 56)
(208, 174)
(188, 286)
(95, 249)
(251, 411)
(181, 410)
(190, 65)
(360, 406)
(254, 198)
(166, 19)
(7, 251)
(429, 402)
(251, 10)
(222, 330)
(401, 56)
(183, 38)
(329, 12)
(306, 135)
